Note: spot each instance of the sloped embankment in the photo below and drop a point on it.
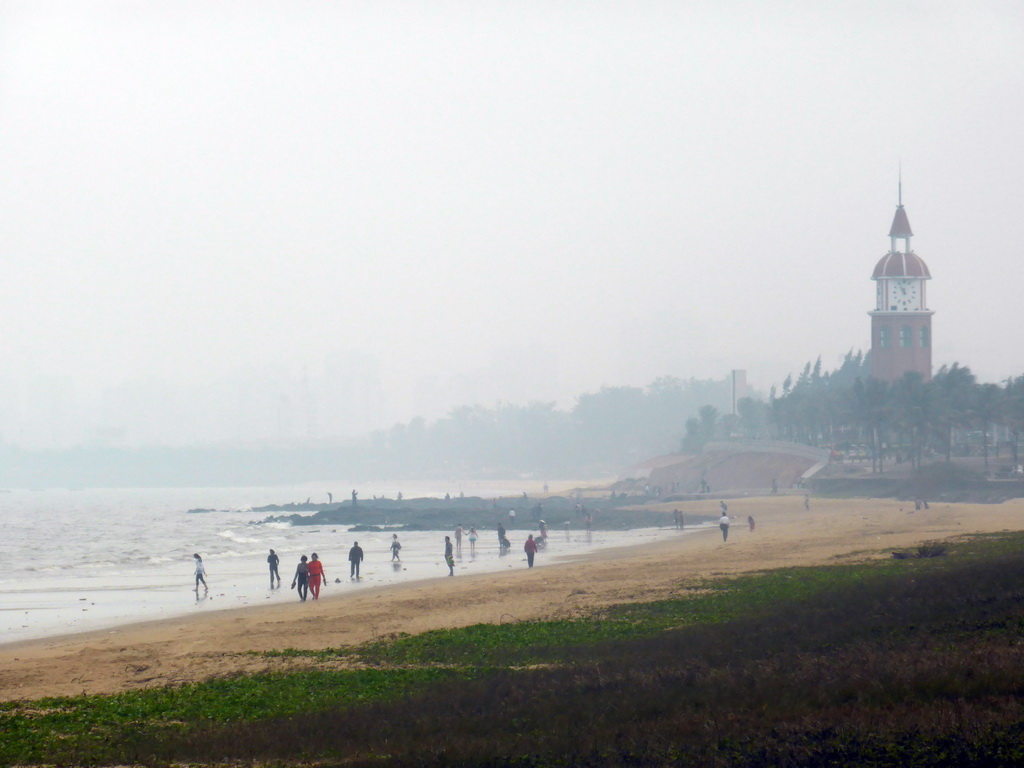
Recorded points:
(738, 466)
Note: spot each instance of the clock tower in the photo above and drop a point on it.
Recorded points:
(901, 323)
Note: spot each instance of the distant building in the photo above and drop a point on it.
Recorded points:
(901, 323)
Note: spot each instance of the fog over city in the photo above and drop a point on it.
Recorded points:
(266, 221)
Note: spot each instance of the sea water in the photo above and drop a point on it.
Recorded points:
(79, 560)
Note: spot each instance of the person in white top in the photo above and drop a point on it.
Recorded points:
(723, 523)
(200, 573)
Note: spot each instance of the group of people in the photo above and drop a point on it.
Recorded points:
(309, 575)
(723, 521)
(472, 535)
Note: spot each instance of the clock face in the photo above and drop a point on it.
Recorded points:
(905, 295)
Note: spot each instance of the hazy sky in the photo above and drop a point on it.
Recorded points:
(489, 201)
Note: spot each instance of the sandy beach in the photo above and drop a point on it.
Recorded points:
(198, 647)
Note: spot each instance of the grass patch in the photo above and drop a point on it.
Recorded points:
(911, 662)
(562, 641)
(42, 730)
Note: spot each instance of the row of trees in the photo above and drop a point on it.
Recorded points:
(846, 406)
(616, 426)
(602, 432)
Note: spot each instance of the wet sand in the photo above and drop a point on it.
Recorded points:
(198, 647)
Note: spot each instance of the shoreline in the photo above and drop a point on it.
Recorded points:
(55, 605)
(101, 559)
(179, 650)
(547, 561)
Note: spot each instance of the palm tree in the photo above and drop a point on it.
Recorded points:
(708, 415)
(987, 406)
(1013, 411)
(952, 386)
(911, 399)
(871, 408)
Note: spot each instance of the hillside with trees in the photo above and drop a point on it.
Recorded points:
(907, 420)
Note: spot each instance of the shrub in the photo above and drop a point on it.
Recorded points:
(931, 549)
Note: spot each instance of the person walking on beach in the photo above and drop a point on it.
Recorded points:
(723, 523)
(449, 558)
(316, 575)
(501, 536)
(396, 545)
(530, 548)
(750, 522)
(355, 557)
(473, 536)
(458, 538)
(301, 578)
(200, 573)
(807, 503)
(273, 561)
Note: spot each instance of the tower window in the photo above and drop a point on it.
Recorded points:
(905, 336)
(924, 336)
(883, 337)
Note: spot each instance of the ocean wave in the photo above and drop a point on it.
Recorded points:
(225, 553)
(232, 536)
(97, 565)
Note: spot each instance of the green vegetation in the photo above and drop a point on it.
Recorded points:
(952, 414)
(895, 662)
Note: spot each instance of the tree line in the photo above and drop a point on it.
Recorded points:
(909, 419)
(601, 433)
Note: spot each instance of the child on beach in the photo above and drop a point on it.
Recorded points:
(449, 558)
(316, 575)
(200, 573)
(395, 547)
(530, 548)
(472, 540)
(273, 560)
(302, 578)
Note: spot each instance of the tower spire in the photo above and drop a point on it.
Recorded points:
(900, 229)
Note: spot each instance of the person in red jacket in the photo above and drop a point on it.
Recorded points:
(530, 547)
(316, 575)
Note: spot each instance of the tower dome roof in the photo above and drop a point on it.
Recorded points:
(896, 264)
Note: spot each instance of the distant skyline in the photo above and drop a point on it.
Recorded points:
(350, 214)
